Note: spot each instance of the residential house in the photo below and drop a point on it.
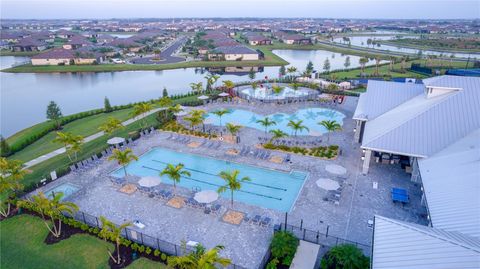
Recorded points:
(256, 39)
(233, 53)
(67, 57)
(127, 43)
(29, 44)
(76, 42)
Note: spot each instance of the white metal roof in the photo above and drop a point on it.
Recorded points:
(403, 245)
(423, 126)
(382, 96)
(451, 180)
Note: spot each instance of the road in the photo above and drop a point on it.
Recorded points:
(166, 56)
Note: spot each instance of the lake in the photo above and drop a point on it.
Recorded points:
(361, 41)
(24, 97)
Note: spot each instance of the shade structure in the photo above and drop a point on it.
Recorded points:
(223, 94)
(203, 97)
(115, 140)
(149, 181)
(206, 197)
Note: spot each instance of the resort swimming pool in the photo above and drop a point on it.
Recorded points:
(267, 188)
(310, 116)
(268, 94)
(67, 189)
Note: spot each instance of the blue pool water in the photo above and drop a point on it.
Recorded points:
(310, 116)
(67, 189)
(267, 188)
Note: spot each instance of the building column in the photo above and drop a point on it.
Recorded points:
(356, 135)
(366, 161)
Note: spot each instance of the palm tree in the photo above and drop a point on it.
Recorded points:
(71, 142)
(232, 182)
(214, 79)
(295, 86)
(277, 134)
(233, 129)
(165, 103)
(175, 173)
(142, 109)
(195, 118)
(254, 85)
(331, 126)
(363, 61)
(291, 70)
(11, 174)
(114, 233)
(377, 62)
(297, 126)
(196, 87)
(200, 259)
(228, 84)
(175, 109)
(123, 158)
(277, 89)
(219, 113)
(111, 125)
(266, 122)
(54, 208)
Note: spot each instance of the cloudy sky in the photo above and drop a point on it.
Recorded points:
(406, 9)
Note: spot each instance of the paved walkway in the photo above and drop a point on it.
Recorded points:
(87, 139)
(306, 256)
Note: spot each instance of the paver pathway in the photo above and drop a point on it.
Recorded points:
(87, 139)
(306, 256)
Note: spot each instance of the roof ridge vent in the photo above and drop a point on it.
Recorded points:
(432, 91)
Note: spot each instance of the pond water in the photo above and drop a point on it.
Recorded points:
(361, 41)
(24, 97)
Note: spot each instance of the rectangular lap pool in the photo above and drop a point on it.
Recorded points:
(267, 188)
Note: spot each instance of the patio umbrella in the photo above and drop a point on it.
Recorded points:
(206, 197)
(223, 94)
(203, 97)
(327, 184)
(149, 181)
(115, 140)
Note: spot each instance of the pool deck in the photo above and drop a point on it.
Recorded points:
(246, 244)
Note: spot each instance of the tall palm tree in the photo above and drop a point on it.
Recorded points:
(219, 113)
(141, 110)
(165, 103)
(54, 208)
(197, 87)
(123, 158)
(11, 173)
(228, 84)
(377, 63)
(200, 259)
(291, 70)
(214, 79)
(114, 233)
(232, 182)
(331, 126)
(233, 129)
(363, 61)
(175, 109)
(277, 134)
(111, 125)
(195, 118)
(175, 173)
(71, 142)
(297, 126)
(266, 122)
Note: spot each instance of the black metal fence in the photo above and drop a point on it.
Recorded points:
(319, 238)
(153, 242)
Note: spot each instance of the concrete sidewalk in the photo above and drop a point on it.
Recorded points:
(87, 139)
(306, 256)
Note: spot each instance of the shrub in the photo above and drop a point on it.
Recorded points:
(134, 246)
(272, 264)
(141, 248)
(148, 250)
(84, 227)
(163, 257)
(283, 246)
(156, 253)
(345, 256)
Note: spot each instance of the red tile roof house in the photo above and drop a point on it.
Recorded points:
(66, 57)
(29, 44)
(258, 40)
(233, 53)
(76, 42)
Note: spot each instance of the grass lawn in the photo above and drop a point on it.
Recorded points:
(18, 53)
(22, 246)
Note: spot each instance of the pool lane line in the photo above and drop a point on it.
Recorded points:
(205, 182)
(247, 182)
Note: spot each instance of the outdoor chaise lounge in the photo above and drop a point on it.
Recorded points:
(256, 219)
(266, 221)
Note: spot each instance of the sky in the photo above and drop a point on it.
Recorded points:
(365, 9)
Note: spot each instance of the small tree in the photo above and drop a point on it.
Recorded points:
(363, 61)
(266, 122)
(141, 110)
(251, 74)
(200, 258)
(326, 65)
(345, 256)
(107, 107)
(71, 142)
(165, 92)
(114, 233)
(175, 173)
(111, 125)
(54, 113)
(297, 126)
(277, 134)
(5, 149)
(282, 71)
(123, 158)
(309, 67)
(347, 62)
(11, 174)
(232, 182)
(283, 247)
(233, 129)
